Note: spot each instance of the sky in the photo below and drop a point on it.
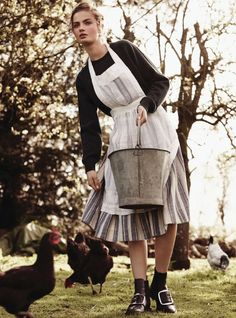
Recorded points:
(206, 144)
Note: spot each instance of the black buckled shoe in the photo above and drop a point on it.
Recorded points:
(137, 305)
(164, 301)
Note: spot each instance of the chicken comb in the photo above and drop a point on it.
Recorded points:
(55, 230)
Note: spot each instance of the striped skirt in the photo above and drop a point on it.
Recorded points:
(142, 224)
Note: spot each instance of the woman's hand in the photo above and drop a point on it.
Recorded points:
(142, 115)
(93, 180)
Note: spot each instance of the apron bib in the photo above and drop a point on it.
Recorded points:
(116, 86)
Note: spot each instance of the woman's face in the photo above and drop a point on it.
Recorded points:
(85, 27)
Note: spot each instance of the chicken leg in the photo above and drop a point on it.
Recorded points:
(91, 284)
(24, 314)
(100, 290)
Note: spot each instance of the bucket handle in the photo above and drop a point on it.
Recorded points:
(138, 147)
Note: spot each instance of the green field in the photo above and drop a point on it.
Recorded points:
(198, 293)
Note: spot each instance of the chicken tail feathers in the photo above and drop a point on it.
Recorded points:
(211, 240)
(224, 262)
(79, 238)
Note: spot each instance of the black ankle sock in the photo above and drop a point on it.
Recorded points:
(147, 294)
(158, 281)
(146, 285)
(139, 286)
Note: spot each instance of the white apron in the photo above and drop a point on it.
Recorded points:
(119, 90)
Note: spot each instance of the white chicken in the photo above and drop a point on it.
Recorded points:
(216, 257)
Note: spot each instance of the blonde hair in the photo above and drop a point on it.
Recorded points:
(86, 6)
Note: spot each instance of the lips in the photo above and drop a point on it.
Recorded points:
(82, 35)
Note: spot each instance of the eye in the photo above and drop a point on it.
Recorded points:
(75, 25)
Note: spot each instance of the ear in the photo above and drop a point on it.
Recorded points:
(100, 27)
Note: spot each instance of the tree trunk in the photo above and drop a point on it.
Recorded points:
(180, 256)
(180, 259)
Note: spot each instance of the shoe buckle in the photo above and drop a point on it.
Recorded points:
(138, 299)
(165, 291)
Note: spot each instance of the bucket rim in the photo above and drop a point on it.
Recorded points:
(138, 148)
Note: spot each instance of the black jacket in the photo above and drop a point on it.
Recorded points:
(154, 85)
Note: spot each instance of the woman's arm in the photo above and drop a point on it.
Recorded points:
(157, 85)
(90, 130)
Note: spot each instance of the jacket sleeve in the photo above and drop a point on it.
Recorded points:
(89, 129)
(156, 83)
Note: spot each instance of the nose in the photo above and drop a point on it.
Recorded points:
(81, 27)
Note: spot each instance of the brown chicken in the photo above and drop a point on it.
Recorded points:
(91, 262)
(77, 251)
(21, 286)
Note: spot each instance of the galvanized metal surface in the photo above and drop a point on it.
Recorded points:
(139, 175)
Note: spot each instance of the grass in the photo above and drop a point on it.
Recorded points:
(199, 292)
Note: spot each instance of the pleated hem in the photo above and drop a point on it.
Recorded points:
(132, 227)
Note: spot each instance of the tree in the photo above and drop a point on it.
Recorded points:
(39, 135)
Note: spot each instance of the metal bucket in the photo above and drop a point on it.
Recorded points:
(139, 175)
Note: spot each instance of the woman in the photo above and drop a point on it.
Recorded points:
(119, 80)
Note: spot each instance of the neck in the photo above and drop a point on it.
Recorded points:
(45, 256)
(96, 50)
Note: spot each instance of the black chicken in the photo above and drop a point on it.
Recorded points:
(21, 286)
(93, 262)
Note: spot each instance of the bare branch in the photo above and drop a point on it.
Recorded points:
(184, 15)
(163, 59)
(129, 35)
(229, 135)
(143, 15)
(168, 40)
